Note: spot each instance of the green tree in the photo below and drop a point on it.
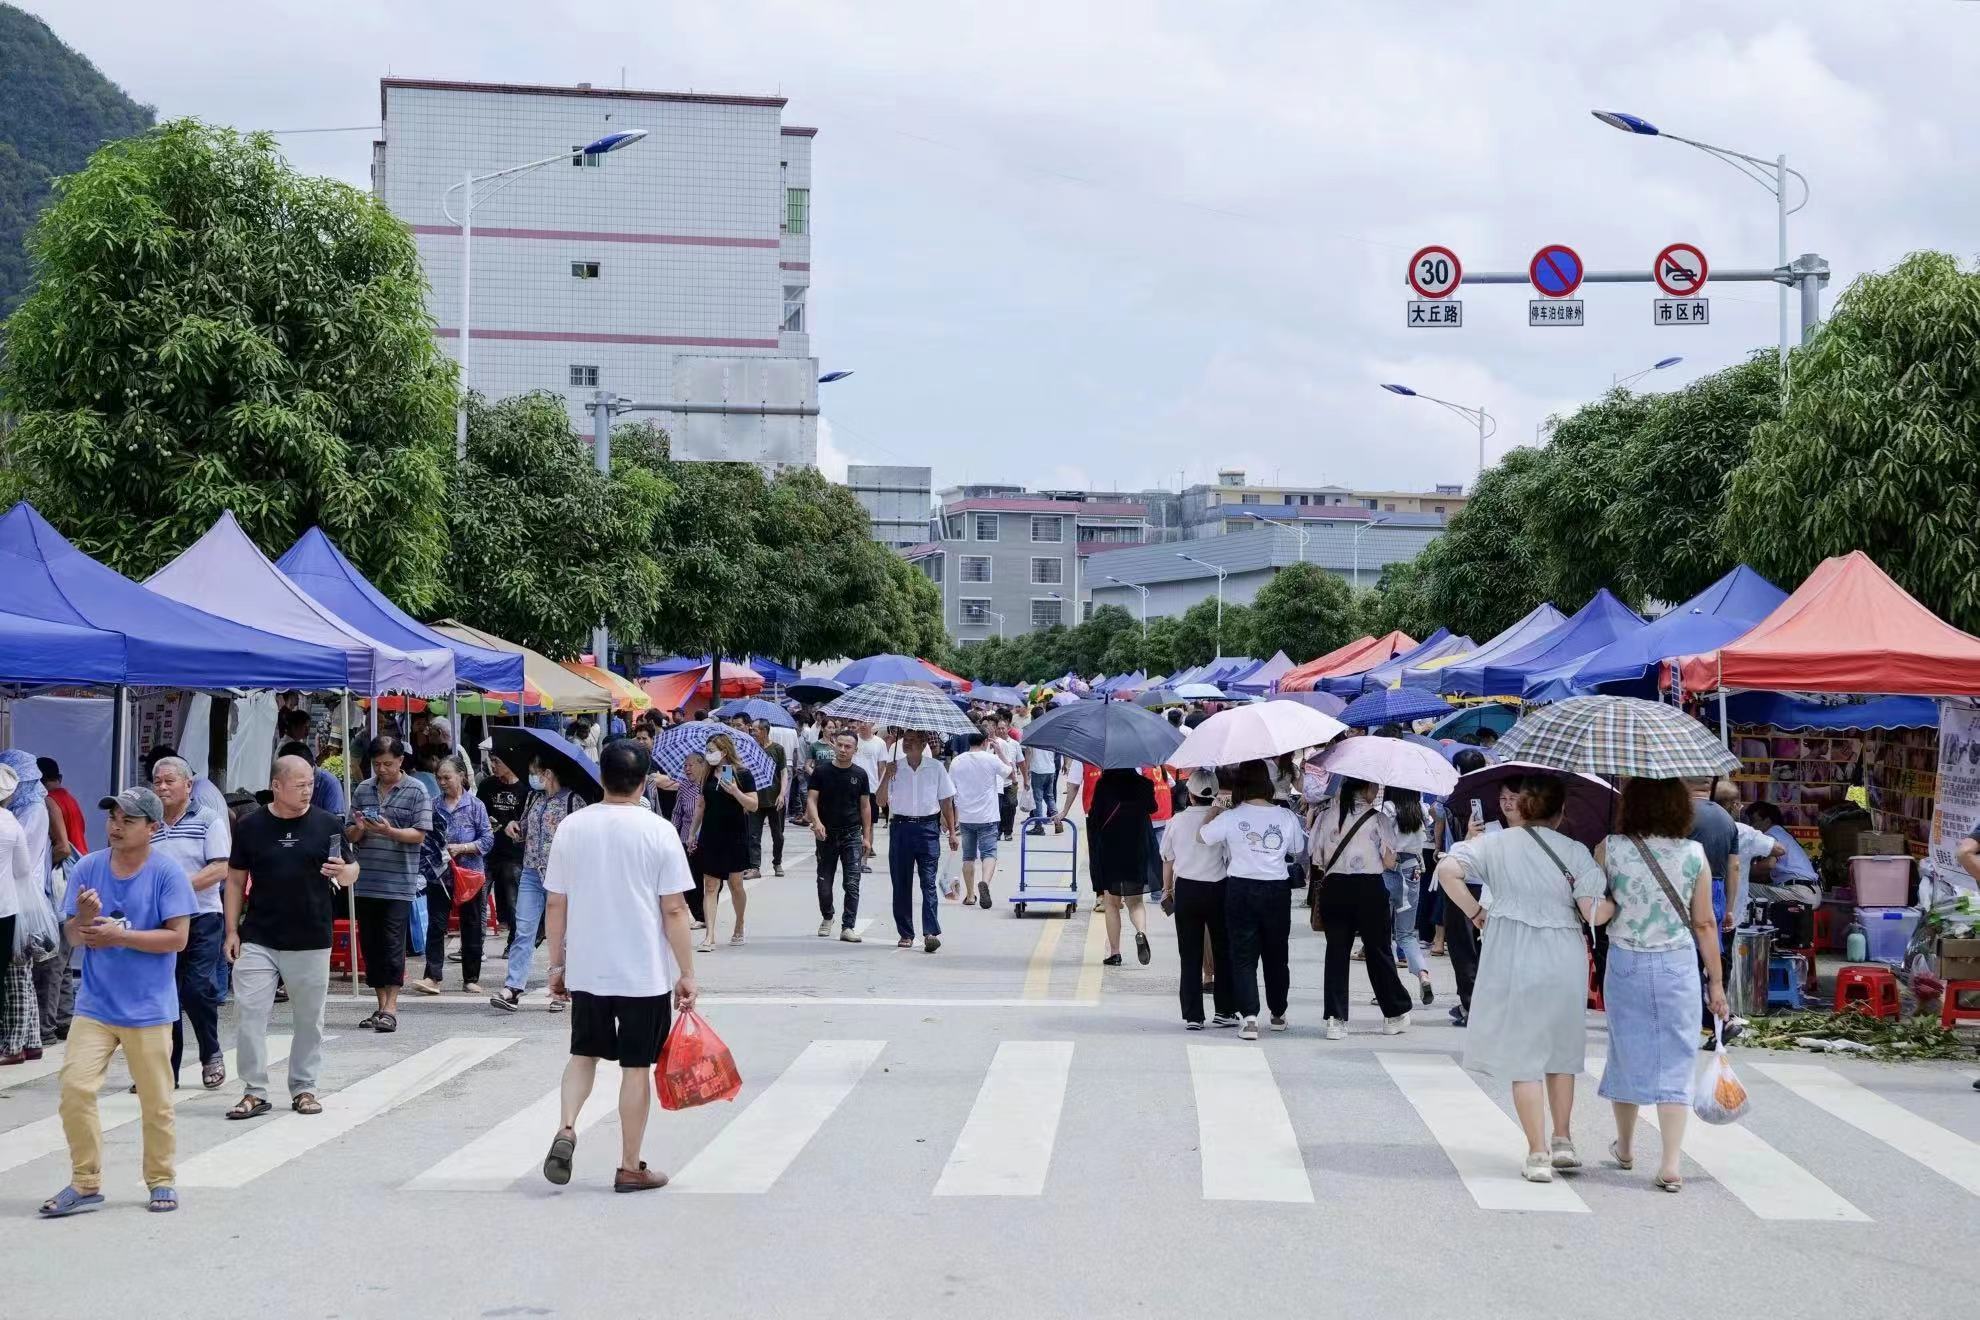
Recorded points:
(1197, 633)
(210, 330)
(1164, 641)
(1568, 515)
(1488, 572)
(1095, 637)
(1880, 442)
(1398, 601)
(542, 544)
(1304, 611)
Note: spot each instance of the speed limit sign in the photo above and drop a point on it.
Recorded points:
(1434, 272)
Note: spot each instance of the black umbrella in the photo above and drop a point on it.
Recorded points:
(1113, 735)
(816, 691)
(1587, 817)
(518, 746)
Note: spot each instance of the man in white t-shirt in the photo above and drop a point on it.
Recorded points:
(868, 756)
(615, 880)
(979, 776)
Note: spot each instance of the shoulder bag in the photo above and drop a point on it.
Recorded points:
(1663, 880)
(1320, 876)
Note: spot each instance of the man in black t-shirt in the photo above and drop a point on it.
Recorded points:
(839, 807)
(295, 859)
(504, 794)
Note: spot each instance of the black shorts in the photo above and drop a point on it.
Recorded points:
(627, 1029)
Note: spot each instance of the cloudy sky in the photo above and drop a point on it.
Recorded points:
(1124, 244)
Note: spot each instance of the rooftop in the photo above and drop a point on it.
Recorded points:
(611, 93)
(1032, 504)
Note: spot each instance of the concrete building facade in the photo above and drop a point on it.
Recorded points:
(1228, 505)
(898, 500)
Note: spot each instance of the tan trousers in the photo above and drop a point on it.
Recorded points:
(148, 1054)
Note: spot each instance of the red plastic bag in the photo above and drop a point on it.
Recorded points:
(695, 1067)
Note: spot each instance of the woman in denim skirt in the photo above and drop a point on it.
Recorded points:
(1662, 890)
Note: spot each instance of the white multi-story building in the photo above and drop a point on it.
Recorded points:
(673, 271)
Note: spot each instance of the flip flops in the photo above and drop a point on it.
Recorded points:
(68, 1202)
(163, 1200)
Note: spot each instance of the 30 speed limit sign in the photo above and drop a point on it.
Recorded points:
(1434, 272)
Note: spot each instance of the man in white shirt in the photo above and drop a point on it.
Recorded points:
(979, 777)
(868, 756)
(615, 880)
(997, 732)
(921, 798)
(1193, 893)
(1043, 767)
(199, 841)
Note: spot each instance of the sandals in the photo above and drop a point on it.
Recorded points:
(214, 1075)
(1615, 1154)
(68, 1202)
(557, 1164)
(736, 938)
(1664, 1184)
(370, 1022)
(306, 1103)
(385, 1023)
(706, 946)
(558, 1003)
(904, 944)
(249, 1106)
(163, 1200)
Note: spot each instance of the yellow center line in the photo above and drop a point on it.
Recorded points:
(1089, 961)
(1038, 972)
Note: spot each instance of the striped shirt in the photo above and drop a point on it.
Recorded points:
(387, 868)
(196, 838)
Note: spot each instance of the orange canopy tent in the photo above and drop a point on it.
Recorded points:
(674, 691)
(625, 694)
(1354, 658)
(1848, 628)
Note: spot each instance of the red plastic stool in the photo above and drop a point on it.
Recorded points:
(1872, 990)
(1951, 1010)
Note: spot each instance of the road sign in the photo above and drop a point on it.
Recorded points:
(1555, 271)
(1554, 311)
(1435, 271)
(1680, 270)
(1682, 311)
(1430, 312)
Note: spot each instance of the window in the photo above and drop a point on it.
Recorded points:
(952, 527)
(975, 568)
(1305, 498)
(1048, 572)
(584, 270)
(1086, 609)
(1048, 529)
(931, 568)
(966, 642)
(1247, 499)
(986, 526)
(580, 159)
(584, 377)
(797, 210)
(975, 609)
(1047, 613)
(793, 309)
(1440, 508)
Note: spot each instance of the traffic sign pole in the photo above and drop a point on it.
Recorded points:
(1807, 272)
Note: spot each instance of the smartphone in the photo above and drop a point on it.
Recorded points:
(1477, 811)
(728, 775)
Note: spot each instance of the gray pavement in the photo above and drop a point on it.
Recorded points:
(1002, 1128)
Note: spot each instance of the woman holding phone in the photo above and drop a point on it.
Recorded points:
(720, 834)
(549, 802)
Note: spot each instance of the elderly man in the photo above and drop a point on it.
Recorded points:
(770, 802)
(198, 841)
(299, 861)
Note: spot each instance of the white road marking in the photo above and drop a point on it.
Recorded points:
(1245, 1135)
(1006, 1143)
(114, 1109)
(752, 1152)
(1484, 1144)
(48, 1064)
(859, 927)
(1767, 1182)
(516, 1145)
(1944, 1152)
(240, 1161)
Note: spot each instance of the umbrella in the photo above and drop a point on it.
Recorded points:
(1392, 763)
(1393, 706)
(519, 745)
(756, 708)
(1446, 750)
(1200, 692)
(901, 706)
(1156, 698)
(1587, 817)
(672, 749)
(813, 690)
(1064, 699)
(1324, 702)
(1617, 736)
(888, 669)
(1466, 724)
(1256, 733)
(1113, 735)
(998, 696)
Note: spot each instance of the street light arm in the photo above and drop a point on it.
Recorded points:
(496, 174)
(1767, 167)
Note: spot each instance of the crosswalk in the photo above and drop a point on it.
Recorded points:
(1249, 1118)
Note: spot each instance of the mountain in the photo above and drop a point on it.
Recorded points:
(55, 110)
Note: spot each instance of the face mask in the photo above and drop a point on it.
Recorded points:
(712, 756)
(536, 781)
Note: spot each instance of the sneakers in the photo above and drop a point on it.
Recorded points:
(506, 999)
(1459, 1017)
(1336, 1029)
(849, 935)
(1563, 1154)
(1278, 1022)
(1539, 1167)
(1396, 1025)
(776, 870)
(1192, 1026)
(825, 929)
(1249, 1031)
(1230, 1020)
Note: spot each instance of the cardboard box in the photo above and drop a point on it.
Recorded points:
(1880, 845)
(1959, 960)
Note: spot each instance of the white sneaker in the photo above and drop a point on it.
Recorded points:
(1564, 1156)
(825, 929)
(851, 936)
(1539, 1168)
(1192, 1026)
(1249, 1030)
(1279, 1023)
(1396, 1025)
(1336, 1029)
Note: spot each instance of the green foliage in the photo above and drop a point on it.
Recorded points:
(1484, 572)
(55, 109)
(1880, 442)
(1197, 633)
(1304, 611)
(1398, 601)
(542, 544)
(209, 331)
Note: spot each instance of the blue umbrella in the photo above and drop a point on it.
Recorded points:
(1448, 751)
(1464, 725)
(998, 696)
(675, 745)
(816, 691)
(889, 669)
(756, 708)
(519, 745)
(1113, 735)
(1393, 706)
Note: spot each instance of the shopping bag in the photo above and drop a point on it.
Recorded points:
(468, 883)
(416, 925)
(1717, 1094)
(695, 1067)
(37, 935)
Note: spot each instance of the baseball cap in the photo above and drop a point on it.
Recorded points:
(136, 802)
(1203, 783)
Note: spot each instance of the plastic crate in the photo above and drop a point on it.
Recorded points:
(1880, 881)
(1889, 930)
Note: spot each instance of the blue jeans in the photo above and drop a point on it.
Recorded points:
(915, 845)
(1404, 894)
(530, 900)
(1044, 794)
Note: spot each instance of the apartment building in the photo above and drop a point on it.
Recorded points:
(1009, 563)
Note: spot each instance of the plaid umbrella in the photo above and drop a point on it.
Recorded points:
(1617, 736)
(900, 706)
(672, 749)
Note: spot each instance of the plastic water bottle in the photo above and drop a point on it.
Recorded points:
(1856, 944)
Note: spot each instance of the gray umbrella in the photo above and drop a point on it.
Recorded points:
(1113, 735)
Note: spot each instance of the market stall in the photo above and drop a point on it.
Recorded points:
(1595, 625)
(1538, 622)
(1309, 677)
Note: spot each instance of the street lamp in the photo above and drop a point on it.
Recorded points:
(609, 143)
(1144, 611)
(1372, 522)
(1745, 164)
(998, 617)
(1477, 416)
(1301, 532)
(831, 376)
(1617, 379)
(1221, 573)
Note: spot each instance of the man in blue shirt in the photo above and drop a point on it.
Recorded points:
(1791, 873)
(128, 909)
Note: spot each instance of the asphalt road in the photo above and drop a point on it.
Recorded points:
(1003, 1128)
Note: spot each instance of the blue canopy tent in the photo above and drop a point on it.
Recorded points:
(1723, 611)
(165, 644)
(772, 672)
(1541, 620)
(316, 565)
(891, 669)
(1437, 644)
(1784, 711)
(36, 653)
(679, 664)
(1601, 621)
(1261, 680)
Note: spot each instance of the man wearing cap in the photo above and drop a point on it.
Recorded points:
(128, 909)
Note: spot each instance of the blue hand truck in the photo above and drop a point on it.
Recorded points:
(1040, 863)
